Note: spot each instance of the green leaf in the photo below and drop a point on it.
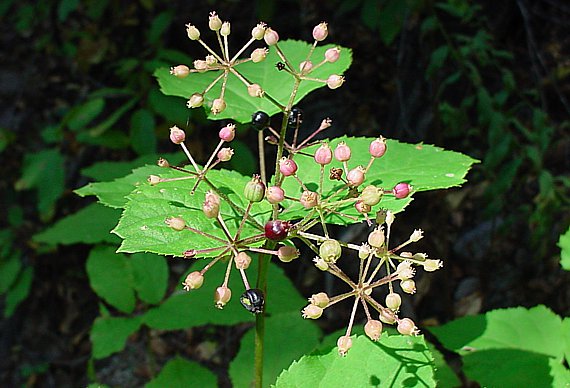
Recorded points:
(425, 167)
(437, 59)
(44, 171)
(109, 334)
(111, 278)
(9, 269)
(170, 108)
(106, 170)
(560, 374)
(113, 194)
(391, 19)
(19, 291)
(65, 8)
(90, 225)
(519, 343)
(564, 244)
(150, 275)
(277, 84)
(181, 373)
(142, 225)
(196, 308)
(82, 115)
(243, 161)
(290, 338)
(394, 361)
(566, 334)
(508, 368)
(536, 330)
(143, 138)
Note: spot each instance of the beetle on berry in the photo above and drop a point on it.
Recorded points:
(253, 300)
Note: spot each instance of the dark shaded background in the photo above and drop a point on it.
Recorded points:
(497, 234)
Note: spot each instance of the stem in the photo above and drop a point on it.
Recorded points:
(261, 150)
(262, 266)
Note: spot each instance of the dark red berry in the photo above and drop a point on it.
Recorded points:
(260, 120)
(253, 300)
(277, 230)
(295, 117)
(280, 66)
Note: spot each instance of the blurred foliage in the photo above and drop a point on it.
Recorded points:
(87, 107)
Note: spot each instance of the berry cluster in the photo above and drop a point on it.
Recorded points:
(379, 265)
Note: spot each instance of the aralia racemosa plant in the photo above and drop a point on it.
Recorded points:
(217, 217)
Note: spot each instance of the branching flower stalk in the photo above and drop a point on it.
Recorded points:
(340, 191)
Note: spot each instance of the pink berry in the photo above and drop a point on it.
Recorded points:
(259, 54)
(225, 154)
(362, 208)
(309, 199)
(373, 329)
(323, 155)
(180, 71)
(287, 166)
(355, 177)
(335, 81)
(378, 147)
(275, 194)
(306, 66)
(344, 344)
(222, 296)
(407, 327)
(320, 32)
(332, 55)
(193, 281)
(271, 36)
(401, 190)
(218, 106)
(342, 152)
(228, 132)
(177, 135)
(195, 101)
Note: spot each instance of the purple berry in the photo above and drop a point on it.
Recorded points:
(277, 230)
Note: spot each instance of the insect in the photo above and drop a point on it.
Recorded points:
(253, 300)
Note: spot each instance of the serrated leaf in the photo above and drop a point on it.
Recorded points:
(291, 337)
(566, 335)
(564, 244)
(89, 225)
(196, 308)
(19, 291)
(559, 373)
(443, 373)
(181, 373)
(109, 334)
(111, 278)
(425, 167)
(142, 225)
(150, 276)
(277, 84)
(535, 330)
(394, 361)
(113, 194)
